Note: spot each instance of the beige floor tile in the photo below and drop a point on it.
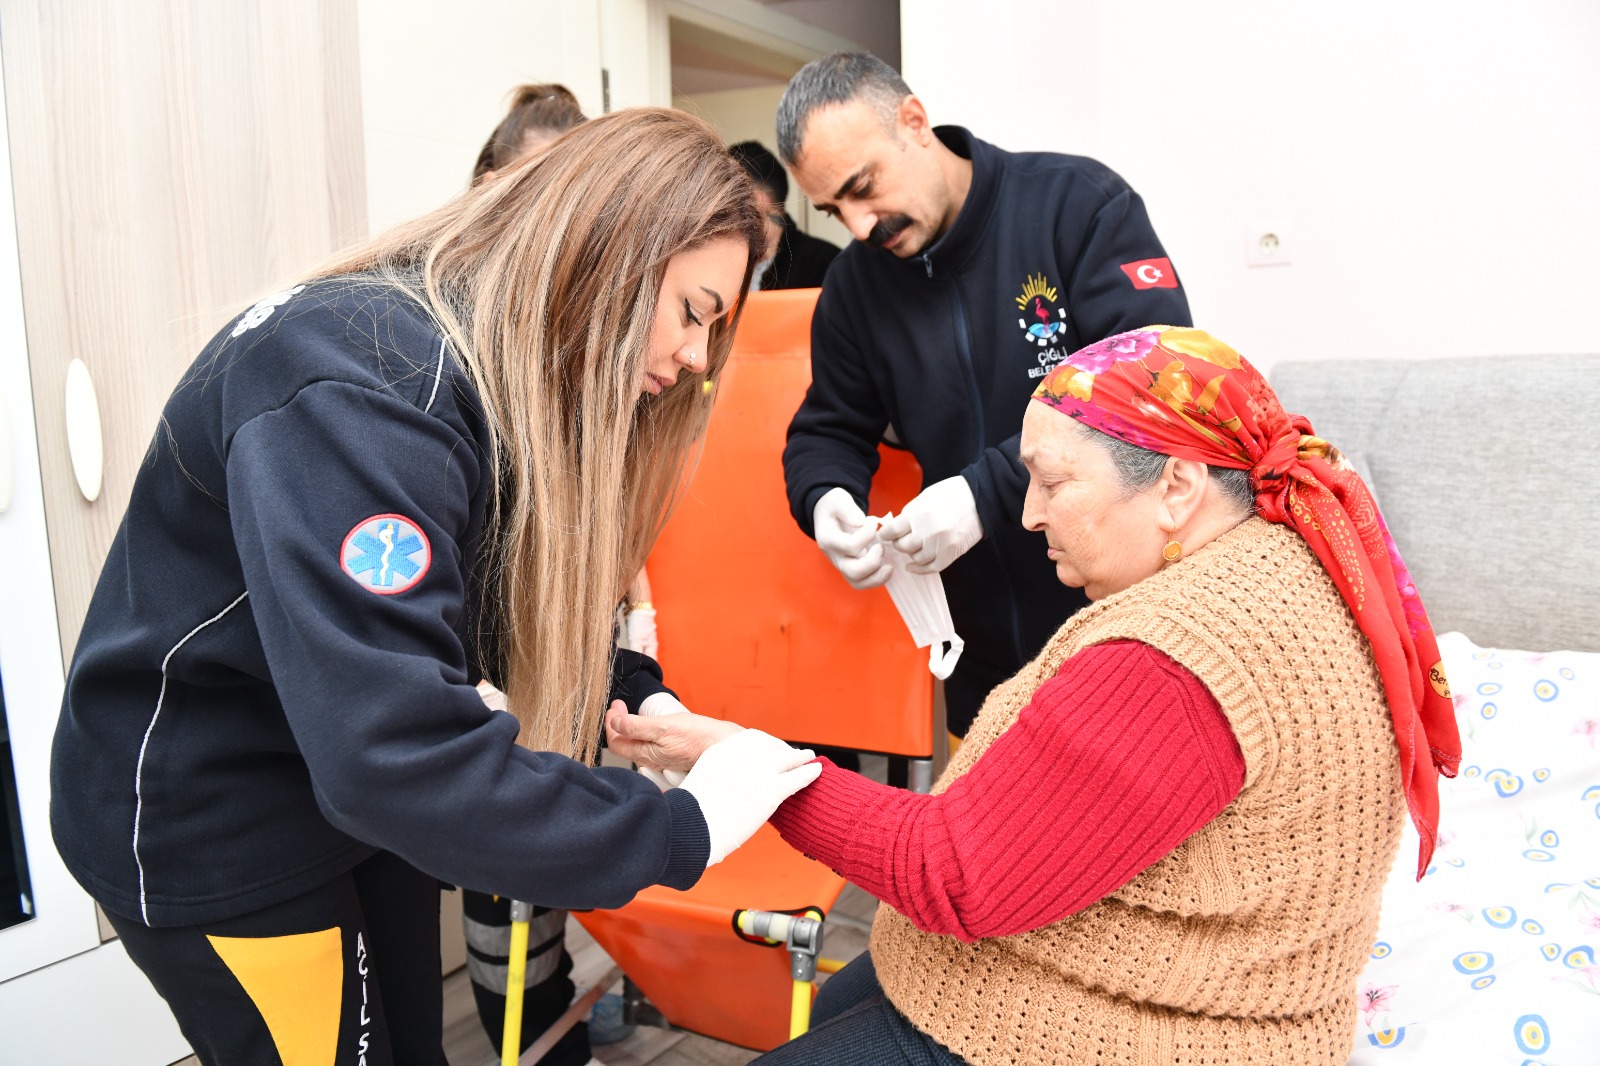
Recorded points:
(644, 1046)
(465, 1043)
(700, 1051)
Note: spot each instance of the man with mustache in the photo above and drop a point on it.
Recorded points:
(973, 273)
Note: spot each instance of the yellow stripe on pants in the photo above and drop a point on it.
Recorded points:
(297, 983)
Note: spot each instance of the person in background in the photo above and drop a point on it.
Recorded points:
(794, 259)
(537, 116)
(1166, 839)
(439, 459)
(973, 273)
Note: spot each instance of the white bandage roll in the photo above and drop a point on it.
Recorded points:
(921, 601)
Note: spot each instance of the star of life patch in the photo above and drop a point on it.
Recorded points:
(386, 554)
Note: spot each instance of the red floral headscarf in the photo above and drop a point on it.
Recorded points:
(1182, 392)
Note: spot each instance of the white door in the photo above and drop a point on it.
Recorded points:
(64, 997)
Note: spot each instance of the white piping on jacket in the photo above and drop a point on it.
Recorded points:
(138, 774)
(437, 374)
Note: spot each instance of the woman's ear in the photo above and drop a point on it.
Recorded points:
(1181, 490)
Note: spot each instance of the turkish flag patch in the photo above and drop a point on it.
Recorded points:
(1151, 274)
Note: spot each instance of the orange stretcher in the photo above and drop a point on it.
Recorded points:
(756, 626)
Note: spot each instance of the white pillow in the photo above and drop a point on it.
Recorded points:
(1494, 957)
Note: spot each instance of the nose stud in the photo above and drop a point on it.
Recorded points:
(692, 358)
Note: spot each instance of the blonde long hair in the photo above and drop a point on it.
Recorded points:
(546, 281)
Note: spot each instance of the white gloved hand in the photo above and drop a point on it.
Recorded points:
(937, 528)
(849, 540)
(654, 706)
(639, 629)
(740, 781)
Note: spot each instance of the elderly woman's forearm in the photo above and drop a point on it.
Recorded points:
(1115, 762)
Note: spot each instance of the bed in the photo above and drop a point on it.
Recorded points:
(1486, 473)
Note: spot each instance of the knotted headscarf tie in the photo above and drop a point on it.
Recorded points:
(1182, 392)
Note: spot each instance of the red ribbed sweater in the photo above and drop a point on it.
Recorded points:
(1113, 763)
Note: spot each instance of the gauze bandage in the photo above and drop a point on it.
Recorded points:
(922, 605)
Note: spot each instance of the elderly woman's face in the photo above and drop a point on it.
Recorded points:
(1102, 539)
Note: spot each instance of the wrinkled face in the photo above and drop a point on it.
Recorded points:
(699, 287)
(882, 181)
(1101, 539)
(771, 220)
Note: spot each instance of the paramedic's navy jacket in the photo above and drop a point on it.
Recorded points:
(275, 677)
(1048, 253)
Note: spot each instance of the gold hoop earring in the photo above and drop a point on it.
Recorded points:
(1172, 551)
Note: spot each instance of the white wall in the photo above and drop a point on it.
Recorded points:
(750, 115)
(738, 114)
(435, 81)
(636, 50)
(1435, 165)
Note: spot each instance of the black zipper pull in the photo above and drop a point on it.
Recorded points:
(927, 264)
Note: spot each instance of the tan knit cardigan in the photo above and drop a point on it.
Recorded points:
(1243, 945)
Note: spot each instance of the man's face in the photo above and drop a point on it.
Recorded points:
(883, 182)
(771, 220)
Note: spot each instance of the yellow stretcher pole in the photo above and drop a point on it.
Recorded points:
(800, 1009)
(802, 935)
(516, 972)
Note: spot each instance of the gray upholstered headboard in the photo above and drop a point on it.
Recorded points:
(1488, 473)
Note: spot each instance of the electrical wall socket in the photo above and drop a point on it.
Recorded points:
(1267, 244)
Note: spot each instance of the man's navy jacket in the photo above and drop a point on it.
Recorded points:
(1048, 253)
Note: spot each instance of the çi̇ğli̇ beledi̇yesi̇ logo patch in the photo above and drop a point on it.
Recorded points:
(1041, 319)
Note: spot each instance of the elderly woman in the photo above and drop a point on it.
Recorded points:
(1165, 839)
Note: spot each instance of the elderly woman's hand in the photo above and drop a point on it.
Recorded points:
(744, 775)
(670, 742)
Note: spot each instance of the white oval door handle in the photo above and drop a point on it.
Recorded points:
(84, 443)
(7, 475)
